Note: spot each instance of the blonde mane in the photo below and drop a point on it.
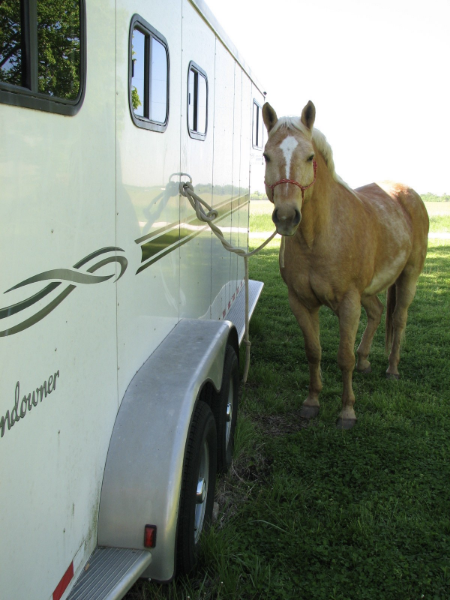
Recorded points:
(319, 140)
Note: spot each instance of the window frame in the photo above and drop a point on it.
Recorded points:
(196, 135)
(138, 22)
(256, 127)
(27, 97)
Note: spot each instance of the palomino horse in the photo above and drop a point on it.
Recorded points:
(340, 248)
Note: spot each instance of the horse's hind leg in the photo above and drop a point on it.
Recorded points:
(308, 321)
(405, 289)
(374, 310)
(349, 312)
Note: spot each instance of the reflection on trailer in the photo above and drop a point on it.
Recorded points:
(122, 314)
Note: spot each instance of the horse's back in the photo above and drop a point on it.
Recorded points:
(403, 201)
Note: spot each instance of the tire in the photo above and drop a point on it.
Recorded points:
(197, 487)
(225, 410)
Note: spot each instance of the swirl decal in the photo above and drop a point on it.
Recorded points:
(63, 275)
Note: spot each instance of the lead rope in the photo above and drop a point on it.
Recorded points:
(187, 190)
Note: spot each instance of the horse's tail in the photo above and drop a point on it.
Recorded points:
(390, 305)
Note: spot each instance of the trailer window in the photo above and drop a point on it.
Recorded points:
(42, 54)
(197, 101)
(149, 76)
(257, 126)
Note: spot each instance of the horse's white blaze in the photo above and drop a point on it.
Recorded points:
(288, 145)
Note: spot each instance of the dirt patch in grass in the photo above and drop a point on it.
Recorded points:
(276, 425)
(247, 473)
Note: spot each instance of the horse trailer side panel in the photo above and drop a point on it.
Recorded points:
(58, 392)
(238, 196)
(147, 197)
(244, 167)
(196, 160)
(223, 182)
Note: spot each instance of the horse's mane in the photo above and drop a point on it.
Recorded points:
(319, 140)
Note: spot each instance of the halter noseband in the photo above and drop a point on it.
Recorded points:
(302, 187)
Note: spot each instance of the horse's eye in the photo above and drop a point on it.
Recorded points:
(311, 157)
(266, 158)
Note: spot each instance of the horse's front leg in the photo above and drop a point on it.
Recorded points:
(349, 312)
(308, 321)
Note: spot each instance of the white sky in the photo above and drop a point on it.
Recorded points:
(376, 70)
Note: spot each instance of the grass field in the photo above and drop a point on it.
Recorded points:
(309, 512)
(261, 211)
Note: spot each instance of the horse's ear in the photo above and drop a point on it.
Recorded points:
(269, 116)
(309, 115)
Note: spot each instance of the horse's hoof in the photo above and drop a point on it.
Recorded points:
(345, 423)
(365, 371)
(392, 376)
(309, 412)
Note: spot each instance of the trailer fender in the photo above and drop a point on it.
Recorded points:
(142, 479)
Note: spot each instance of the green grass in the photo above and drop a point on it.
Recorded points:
(261, 222)
(311, 512)
(440, 223)
(261, 219)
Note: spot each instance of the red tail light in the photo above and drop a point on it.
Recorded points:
(150, 536)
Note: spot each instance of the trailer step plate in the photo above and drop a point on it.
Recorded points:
(236, 314)
(109, 573)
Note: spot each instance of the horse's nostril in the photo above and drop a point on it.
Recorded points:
(298, 217)
(275, 216)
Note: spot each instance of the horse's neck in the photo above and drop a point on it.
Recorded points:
(318, 206)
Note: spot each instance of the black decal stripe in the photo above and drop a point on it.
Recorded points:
(65, 275)
(154, 251)
(15, 308)
(106, 261)
(161, 245)
(89, 257)
(169, 249)
(156, 233)
(39, 315)
(225, 206)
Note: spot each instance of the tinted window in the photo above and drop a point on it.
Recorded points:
(257, 136)
(138, 72)
(58, 37)
(42, 54)
(201, 104)
(149, 76)
(11, 43)
(158, 82)
(197, 102)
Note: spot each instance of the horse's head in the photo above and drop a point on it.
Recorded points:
(290, 165)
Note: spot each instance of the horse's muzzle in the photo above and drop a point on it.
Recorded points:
(286, 224)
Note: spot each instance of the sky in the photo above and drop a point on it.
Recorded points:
(376, 70)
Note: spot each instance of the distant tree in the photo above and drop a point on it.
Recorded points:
(256, 195)
(433, 198)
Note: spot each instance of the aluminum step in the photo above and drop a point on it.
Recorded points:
(236, 314)
(110, 573)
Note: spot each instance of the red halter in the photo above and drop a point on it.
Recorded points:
(302, 187)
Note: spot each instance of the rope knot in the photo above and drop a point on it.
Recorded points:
(184, 186)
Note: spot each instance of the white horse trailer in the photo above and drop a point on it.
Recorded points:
(122, 314)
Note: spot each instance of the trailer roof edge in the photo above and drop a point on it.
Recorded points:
(211, 20)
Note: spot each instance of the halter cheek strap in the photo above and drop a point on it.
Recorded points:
(302, 187)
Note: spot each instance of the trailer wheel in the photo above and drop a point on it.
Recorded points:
(197, 489)
(225, 410)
